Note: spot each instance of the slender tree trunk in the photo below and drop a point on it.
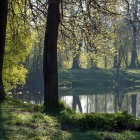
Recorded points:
(134, 104)
(126, 59)
(133, 63)
(105, 103)
(115, 61)
(115, 103)
(105, 61)
(50, 55)
(3, 23)
(134, 60)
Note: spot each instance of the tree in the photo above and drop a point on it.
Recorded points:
(134, 60)
(50, 55)
(132, 19)
(18, 45)
(3, 23)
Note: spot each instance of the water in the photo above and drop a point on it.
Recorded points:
(110, 103)
(92, 100)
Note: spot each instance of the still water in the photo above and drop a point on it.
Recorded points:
(91, 100)
(110, 103)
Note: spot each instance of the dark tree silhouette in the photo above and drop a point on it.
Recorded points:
(50, 55)
(3, 23)
(75, 64)
(134, 104)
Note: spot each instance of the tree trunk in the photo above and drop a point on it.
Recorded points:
(133, 63)
(50, 55)
(115, 103)
(115, 61)
(75, 64)
(3, 23)
(134, 104)
(105, 60)
(93, 63)
(134, 60)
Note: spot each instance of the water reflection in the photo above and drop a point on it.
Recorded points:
(110, 103)
(28, 96)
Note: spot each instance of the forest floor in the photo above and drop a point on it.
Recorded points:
(22, 121)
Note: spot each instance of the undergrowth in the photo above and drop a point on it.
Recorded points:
(22, 121)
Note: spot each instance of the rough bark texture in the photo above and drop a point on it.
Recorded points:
(3, 22)
(50, 55)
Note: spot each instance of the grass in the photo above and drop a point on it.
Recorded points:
(96, 77)
(20, 121)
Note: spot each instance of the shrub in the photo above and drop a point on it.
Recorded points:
(100, 121)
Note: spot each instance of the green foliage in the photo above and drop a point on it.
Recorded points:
(101, 121)
(19, 122)
(18, 46)
(104, 78)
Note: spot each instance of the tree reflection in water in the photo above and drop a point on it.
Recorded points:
(111, 102)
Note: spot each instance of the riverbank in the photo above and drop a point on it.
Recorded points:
(91, 78)
(22, 121)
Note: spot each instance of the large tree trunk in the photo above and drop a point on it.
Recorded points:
(3, 23)
(50, 55)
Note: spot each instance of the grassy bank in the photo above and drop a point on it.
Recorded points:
(19, 121)
(96, 78)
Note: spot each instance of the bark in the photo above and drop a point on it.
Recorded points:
(75, 64)
(3, 23)
(50, 70)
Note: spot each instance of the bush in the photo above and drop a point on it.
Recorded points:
(100, 121)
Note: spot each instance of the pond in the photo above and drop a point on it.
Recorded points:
(93, 100)
(110, 103)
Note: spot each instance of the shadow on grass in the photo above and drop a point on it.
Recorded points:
(73, 131)
(3, 133)
(70, 125)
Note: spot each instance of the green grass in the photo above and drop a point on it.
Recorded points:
(20, 121)
(105, 78)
